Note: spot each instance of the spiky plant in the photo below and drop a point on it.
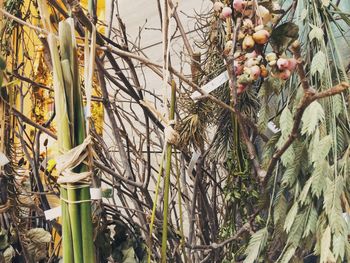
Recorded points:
(309, 187)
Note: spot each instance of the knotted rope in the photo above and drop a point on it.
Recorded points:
(70, 160)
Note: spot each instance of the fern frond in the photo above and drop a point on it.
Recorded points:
(256, 244)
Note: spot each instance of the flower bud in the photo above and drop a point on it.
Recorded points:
(255, 72)
(244, 78)
(282, 63)
(272, 63)
(251, 62)
(226, 12)
(285, 74)
(258, 28)
(247, 23)
(252, 54)
(262, 11)
(238, 5)
(248, 42)
(264, 72)
(241, 88)
(261, 37)
(271, 56)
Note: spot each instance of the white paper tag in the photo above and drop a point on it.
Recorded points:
(53, 213)
(212, 85)
(272, 127)
(3, 159)
(193, 162)
(96, 193)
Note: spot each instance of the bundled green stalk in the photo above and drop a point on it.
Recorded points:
(167, 179)
(76, 210)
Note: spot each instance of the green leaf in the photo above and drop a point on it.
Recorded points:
(311, 222)
(288, 157)
(39, 235)
(316, 33)
(3, 239)
(129, 255)
(313, 144)
(326, 254)
(280, 210)
(342, 139)
(319, 175)
(291, 217)
(269, 148)
(321, 149)
(338, 106)
(39, 239)
(9, 254)
(290, 175)
(288, 255)
(297, 229)
(339, 242)
(305, 191)
(286, 122)
(283, 35)
(286, 126)
(311, 117)
(347, 252)
(332, 204)
(326, 2)
(107, 193)
(318, 63)
(264, 115)
(2, 63)
(299, 96)
(303, 14)
(256, 245)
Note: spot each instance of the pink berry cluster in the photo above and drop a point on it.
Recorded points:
(250, 61)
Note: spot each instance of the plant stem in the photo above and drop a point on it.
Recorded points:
(74, 217)
(167, 178)
(66, 229)
(160, 172)
(178, 184)
(86, 227)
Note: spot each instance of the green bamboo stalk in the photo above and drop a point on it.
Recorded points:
(75, 221)
(64, 142)
(80, 135)
(76, 216)
(153, 216)
(86, 226)
(66, 229)
(182, 243)
(167, 178)
(66, 48)
(63, 131)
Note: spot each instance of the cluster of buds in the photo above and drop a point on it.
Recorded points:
(283, 67)
(250, 61)
(248, 68)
